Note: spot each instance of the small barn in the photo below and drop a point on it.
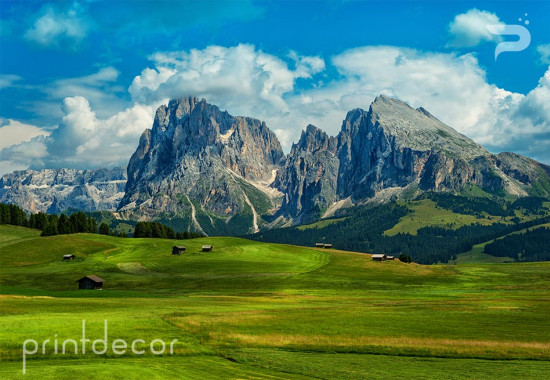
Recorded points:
(390, 257)
(379, 257)
(207, 248)
(90, 282)
(327, 245)
(178, 249)
(319, 245)
(68, 257)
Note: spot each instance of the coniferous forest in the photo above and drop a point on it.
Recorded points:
(158, 230)
(79, 222)
(364, 232)
(49, 224)
(533, 245)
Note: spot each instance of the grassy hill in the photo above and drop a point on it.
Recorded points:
(254, 310)
(426, 213)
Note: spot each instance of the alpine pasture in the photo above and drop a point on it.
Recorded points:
(252, 310)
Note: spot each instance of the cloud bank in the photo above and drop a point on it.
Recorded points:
(247, 81)
(82, 140)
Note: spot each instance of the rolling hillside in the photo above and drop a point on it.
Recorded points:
(256, 310)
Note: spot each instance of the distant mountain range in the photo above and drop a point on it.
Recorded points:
(202, 169)
(56, 190)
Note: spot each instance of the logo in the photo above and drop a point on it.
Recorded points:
(98, 346)
(523, 34)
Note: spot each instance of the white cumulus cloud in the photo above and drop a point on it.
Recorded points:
(240, 78)
(82, 140)
(452, 87)
(470, 29)
(23, 155)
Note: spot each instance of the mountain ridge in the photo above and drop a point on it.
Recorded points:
(200, 162)
(56, 190)
(206, 170)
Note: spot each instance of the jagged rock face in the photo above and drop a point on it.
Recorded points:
(393, 146)
(308, 176)
(200, 160)
(56, 190)
(219, 174)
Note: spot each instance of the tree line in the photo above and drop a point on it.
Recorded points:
(531, 245)
(159, 230)
(364, 232)
(79, 222)
(49, 224)
(478, 205)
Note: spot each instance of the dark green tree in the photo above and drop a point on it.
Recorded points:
(18, 217)
(49, 230)
(4, 214)
(104, 229)
(79, 222)
(64, 225)
(39, 221)
(405, 258)
(92, 225)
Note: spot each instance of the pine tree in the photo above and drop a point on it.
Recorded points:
(49, 230)
(64, 225)
(92, 225)
(104, 229)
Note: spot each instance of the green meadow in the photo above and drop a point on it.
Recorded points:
(250, 310)
(425, 213)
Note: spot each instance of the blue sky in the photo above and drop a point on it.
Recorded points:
(80, 80)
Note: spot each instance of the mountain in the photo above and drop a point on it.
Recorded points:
(56, 190)
(395, 151)
(199, 168)
(204, 168)
(308, 176)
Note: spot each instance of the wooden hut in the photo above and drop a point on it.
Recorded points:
(327, 245)
(390, 257)
(319, 245)
(90, 282)
(207, 248)
(379, 257)
(68, 257)
(178, 249)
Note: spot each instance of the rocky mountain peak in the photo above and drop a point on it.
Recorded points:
(185, 105)
(216, 173)
(313, 139)
(352, 121)
(200, 162)
(425, 112)
(419, 130)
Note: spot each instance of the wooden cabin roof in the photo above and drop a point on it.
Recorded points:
(93, 278)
